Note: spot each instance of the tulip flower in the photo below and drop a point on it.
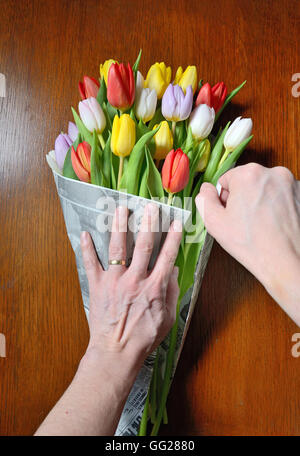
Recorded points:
(212, 97)
(186, 78)
(202, 164)
(81, 161)
(238, 131)
(122, 139)
(93, 117)
(139, 82)
(175, 172)
(145, 104)
(104, 68)
(158, 78)
(120, 86)
(201, 121)
(63, 143)
(163, 141)
(175, 105)
(72, 131)
(88, 88)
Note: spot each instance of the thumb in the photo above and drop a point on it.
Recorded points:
(211, 209)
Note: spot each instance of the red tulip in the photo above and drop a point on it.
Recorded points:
(175, 171)
(120, 86)
(213, 97)
(88, 88)
(81, 161)
(204, 95)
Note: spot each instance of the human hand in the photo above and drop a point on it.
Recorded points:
(132, 309)
(257, 220)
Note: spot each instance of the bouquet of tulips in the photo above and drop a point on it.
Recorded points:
(153, 138)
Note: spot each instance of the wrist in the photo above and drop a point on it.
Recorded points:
(283, 285)
(117, 369)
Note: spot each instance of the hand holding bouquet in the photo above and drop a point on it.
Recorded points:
(153, 138)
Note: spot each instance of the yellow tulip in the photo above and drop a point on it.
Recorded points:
(105, 67)
(123, 135)
(186, 78)
(158, 78)
(163, 141)
(205, 156)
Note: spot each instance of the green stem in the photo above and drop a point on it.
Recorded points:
(102, 142)
(154, 388)
(144, 420)
(120, 172)
(168, 373)
(225, 155)
(170, 197)
(173, 128)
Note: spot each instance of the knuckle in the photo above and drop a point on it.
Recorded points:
(284, 173)
(169, 255)
(117, 251)
(252, 171)
(145, 247)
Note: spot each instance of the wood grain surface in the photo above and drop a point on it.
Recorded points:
(236, 375)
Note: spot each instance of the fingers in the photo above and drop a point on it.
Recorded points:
(90, 260)
(117, 245)
(211, 209)
(172, 295)
(166, 259)
(145, 240)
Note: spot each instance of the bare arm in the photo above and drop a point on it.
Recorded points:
(131, 311)
(257, 220)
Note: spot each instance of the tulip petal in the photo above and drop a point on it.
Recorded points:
(72, 131)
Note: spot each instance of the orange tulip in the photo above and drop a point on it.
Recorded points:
(175, 171)
(81, 161)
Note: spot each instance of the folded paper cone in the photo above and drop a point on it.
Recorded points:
(88, 207)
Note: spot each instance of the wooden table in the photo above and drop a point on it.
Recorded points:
(236, 375)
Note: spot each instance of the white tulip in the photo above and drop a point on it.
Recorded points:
(92, 115)
(237, 133)
(202, 120)
(139, 83)
(145, 104)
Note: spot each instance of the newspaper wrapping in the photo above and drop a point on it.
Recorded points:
(91, 208)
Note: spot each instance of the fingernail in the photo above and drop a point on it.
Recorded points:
(177, 226)
(122, 210)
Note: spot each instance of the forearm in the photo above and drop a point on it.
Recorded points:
(94, 401)
(283, 286)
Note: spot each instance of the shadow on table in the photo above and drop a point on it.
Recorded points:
(224, 285)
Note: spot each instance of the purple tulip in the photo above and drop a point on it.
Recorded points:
(175, 104)
(62, 145)
(72, 131)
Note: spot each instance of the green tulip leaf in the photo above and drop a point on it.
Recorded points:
(215, 156)
(96, 173)
(102, 93)
(154, 182)
(68, 170)
(131, 176)
(230, 160)
(137, 62)
(106, 162)
(85, 133)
